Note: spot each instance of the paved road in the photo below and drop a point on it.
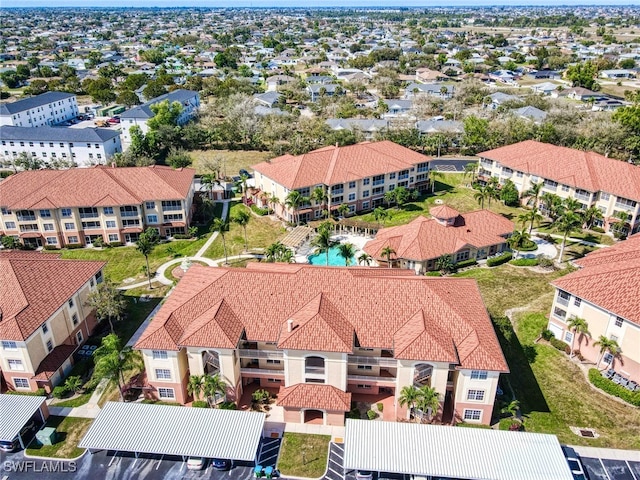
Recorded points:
(449, 164)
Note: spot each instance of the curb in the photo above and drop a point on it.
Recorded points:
(53, 459)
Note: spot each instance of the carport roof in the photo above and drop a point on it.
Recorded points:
(464, 453)
(175, 430)
(15, 411)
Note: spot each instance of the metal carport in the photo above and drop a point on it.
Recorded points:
(174, 430)
(16, 411)
(453, 452)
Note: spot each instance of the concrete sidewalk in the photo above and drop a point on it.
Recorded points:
(88, 410)
(609, 453)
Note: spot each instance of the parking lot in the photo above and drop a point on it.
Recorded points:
(451, 165)
(335, 469)
(607, 469)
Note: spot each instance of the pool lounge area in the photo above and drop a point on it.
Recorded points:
(305, 254)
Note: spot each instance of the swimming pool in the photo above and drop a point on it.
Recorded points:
(334, 258)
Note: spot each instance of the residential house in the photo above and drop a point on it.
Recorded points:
(44, 316)
(427, 75)
(82, 146)
(318, 90)
(275, 81)
(530, 113)
(397, 108)
(58, 208)
(498, 99)
(594, 180)
(617, 74)
(140, 115)
(463, 236)
(356, 175)
(545, 88)
(319, 334)
(604, 292)
(439, 125)
(50, 108)
(368, 127)
(431, 89)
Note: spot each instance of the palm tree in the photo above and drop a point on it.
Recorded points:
(517, 239)
(347, 251)
(273, 201)
(389, 197)
(208, 181)
(293, 201)
(552, 204)
(222, 227)
(212, 386)
(111, 360)
(319, 195)
(428, 400)
(243, 183)
(409, 396)
(493, 190)
(481, 195)
(566, 223)
(73, 384)
(621, 223)
(590, 215)
(387, 252)
(380, 214)
(365, 258)
(433, 175)
(606, 345)
(145, 245)
(195, 386)
(531, 217)
(579, 326)
(322, 241)
(533, 194)
(242, 217)
(343, 209)
(512, 409)
(444, 264)
(471, 169)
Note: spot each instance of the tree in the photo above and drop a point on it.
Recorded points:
(153, 55)
(108, 302)
(365, 258)
(221, 226)
(164, 113)
(477, 136)
(10, 243)
(444, 264)
(380, 215)
(607, 345)
(509, 194)
(178, 158)
(242, 217)
(111, 360)
(293, 201)
(128, 98)
(277, 252)
(533, 194)
(195, 386)
(322, 241)
(590, 215)
(209, 181)
(512, 409)
(531, 217)
(145, 245)
(347, 251)
(517, 239)
(433, 176)
(493, 189)
(428, 400)
(568, 222)
(343, 209)
(212, 386)
(621, 221)
(409, 396)
(582, 75)
(578, 326)
(319, 195)
(552, 204)
(481, 195)
(387, 252)
(153, 89)
(471, 169)
(73, 384)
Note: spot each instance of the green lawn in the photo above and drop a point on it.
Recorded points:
(304, 455)
(230, 161)
(73, 402)
(70, 432)
(587, 235)
(261, 232)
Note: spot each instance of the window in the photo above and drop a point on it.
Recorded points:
(163, 374)
(177, 204)
(618, 321)
(608, 358)
(9, 345)
(560, 313)
(563, 297)
(108, 210)
(365, 194)
(392, 176)
(21, 382)
(365, 205)
(363, 386)
(274, 380)
(150, 205)
(352, 197)
(49, 345)
(90, 225)
(313, 380)
(159, 354)
(392, 187)
(113, 237)
(152, 218)
(604, 196)
(472, 414)
(88, 145)
(577, 301)
(45, 213)
(98, 277)
(166, 393)
(366, 181)
(568, 337)
(48, 227)
(613, 338)
(475, 395)
(15, 364)
(478, 374)
(10, 225)
(45, 329)
(129, 211)
(79, 337)
(352, 184)
(72, 239)
(364, 367)
(273, 362)
(66, 212)
(52, 241)
(565, 188)
(111, 223)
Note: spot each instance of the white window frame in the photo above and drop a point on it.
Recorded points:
(479, 374)
(163, 373)
(159, 354)
(9, 345)
(475, 395)
(165, 392)
(568, 337)
(607, 358)
(21, 380)
(15, 364)
(618, 322)
(469, 414)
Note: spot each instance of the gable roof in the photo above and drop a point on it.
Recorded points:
(332, 165)
(330, 308)
(425, 238)
(97, 186)
(144, 111)
(314, 396)
(33, 286)
(609, 278)
(586, 170)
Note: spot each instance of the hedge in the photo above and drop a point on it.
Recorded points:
(466, 263)
(499, 260)
(38, 393)
(596, 378)
(182, 236)
(528, 247)
(260, 211)
(115, 244)
(60, 391)
(433, 274)
(525, 262)
(597, 229)
(560, 345)
(72, 246)
(200, 404)
(51, 247)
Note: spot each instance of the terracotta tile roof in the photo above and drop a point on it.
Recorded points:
(316, 396)
(332, 165)
(586, 170)
(98, 186)
(33, 286)
(52, 362)
(609, 278)
(444, 212)
(425, 238)
(328, 305)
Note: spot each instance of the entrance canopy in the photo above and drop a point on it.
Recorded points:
(15, 412)
(453, 452)
(175, 430)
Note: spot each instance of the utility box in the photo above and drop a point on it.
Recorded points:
(47, 436)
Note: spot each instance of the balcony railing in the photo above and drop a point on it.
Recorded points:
(402, 177)
(314, 370)
(563, 301)
(580, 196)
(168, 208)
(372, 378)
(129, 214)
(261, 371)
(89, 215)
(26, 218)
(268, 354)
(362, 360)
(378, 182)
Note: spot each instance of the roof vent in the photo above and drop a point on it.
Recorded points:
(0, 314)
(290, 325)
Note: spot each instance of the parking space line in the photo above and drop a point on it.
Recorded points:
(604, 469)
(159, 461)
(633, 474)
(113, 458)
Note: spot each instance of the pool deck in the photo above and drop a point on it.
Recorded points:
(357, 240)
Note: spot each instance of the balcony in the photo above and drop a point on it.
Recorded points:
(89, 215)
(377, 361)
(563, 301)
(337, 191)
(26, 218)
(268, 354)
(401, 177)
(389, 381)
(129, 214)
(261, 371)
(378, 182)
(583, 197)
(314, 370)
(170, 208)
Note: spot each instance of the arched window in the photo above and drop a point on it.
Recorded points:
(314, 365)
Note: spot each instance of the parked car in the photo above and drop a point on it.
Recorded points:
(10, 446)
(244, 172)
(364, 475)
(195, 463)
(221, 464)
(574, 463)
(114, 120)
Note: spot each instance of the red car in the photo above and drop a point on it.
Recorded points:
(114, 120)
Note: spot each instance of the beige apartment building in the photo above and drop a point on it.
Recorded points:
(58, 208)
(605, 292)
(594, 180)
(42, 327)
(356, 175)
(321, 336)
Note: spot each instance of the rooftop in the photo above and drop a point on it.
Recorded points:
(144, 110)
(57, 134)
(33, 102)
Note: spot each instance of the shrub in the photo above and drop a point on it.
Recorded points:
(529, 246)
(51, 247)
(228, 406)
(354, 413)
(60, 391)
(433, 274)
(499, 260)
(544, 261)
(597, 229)
(560, 345)
(99, 242)
(371, 414)
(546, 334)
(380, 406)
(613, 388)
(38, 393)
(466, 263)
(525, 262)
(115, 244)
(181, 236)
(200, 404)
(73, 246)
(259, 211)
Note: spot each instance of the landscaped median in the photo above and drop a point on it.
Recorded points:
(69, 432)
(304, 455)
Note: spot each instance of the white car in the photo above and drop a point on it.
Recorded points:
(195, 463)
(364, 475)
(574, 463)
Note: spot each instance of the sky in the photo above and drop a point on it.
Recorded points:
(306, 3)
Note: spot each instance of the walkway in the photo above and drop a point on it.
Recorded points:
(571, 239)
(88, 410)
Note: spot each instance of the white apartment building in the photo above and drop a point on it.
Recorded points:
(594, 180)
(50, 108)
(355, 175)
(139, 115)
(83, 146)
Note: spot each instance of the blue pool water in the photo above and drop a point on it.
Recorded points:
(334, 258)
